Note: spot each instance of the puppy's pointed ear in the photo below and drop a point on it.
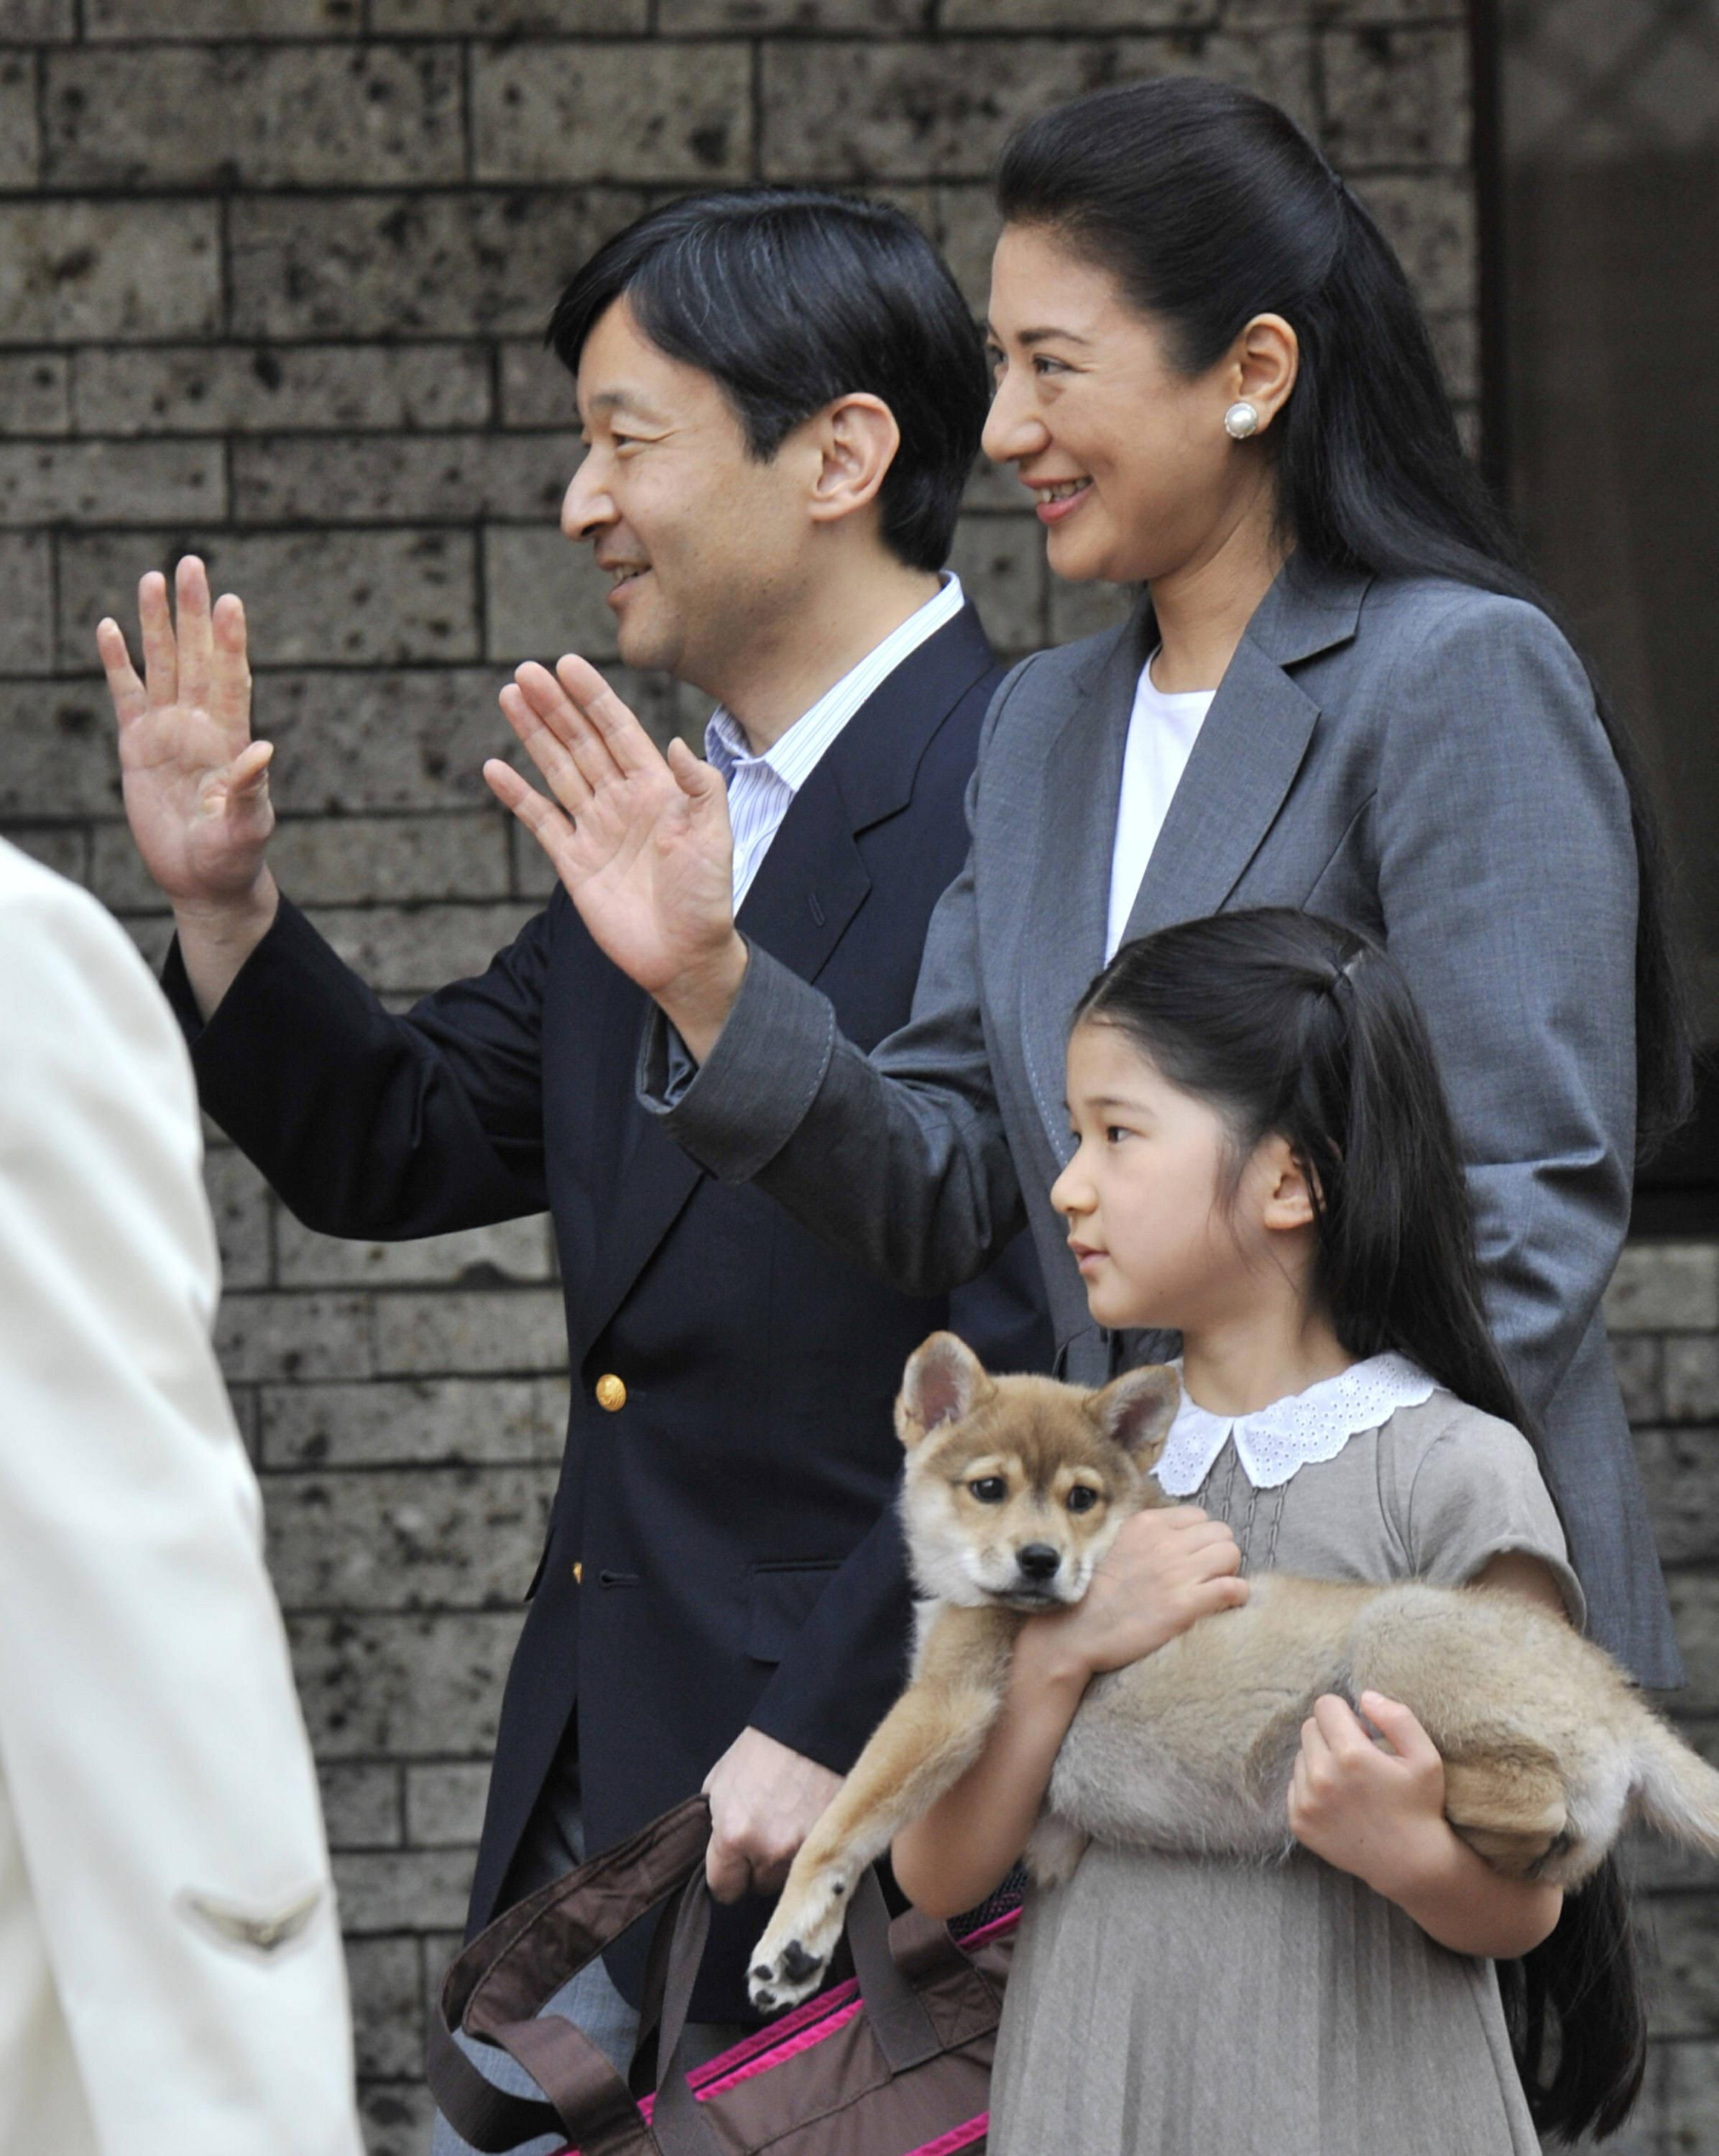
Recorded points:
(1137, 1410)
(943, 1380)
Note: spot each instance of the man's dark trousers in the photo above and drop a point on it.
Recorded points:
(721, 1549)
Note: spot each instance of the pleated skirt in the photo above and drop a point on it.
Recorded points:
(1174, 2006)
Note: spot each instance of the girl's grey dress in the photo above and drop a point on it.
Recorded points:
(1166, 2005)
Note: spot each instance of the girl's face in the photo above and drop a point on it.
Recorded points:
(1134, 475)
(1160, 1237)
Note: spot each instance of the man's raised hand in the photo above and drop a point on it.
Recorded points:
(196, 785)
(641, 841)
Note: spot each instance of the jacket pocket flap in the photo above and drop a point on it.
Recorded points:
(782, 1598)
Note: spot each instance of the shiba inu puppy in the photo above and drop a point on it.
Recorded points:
(1015, 1488)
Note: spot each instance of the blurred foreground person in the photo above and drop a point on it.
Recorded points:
(171, 1978)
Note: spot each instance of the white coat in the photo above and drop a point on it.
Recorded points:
(170, 1975)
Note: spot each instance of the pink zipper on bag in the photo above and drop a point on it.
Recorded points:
(807, 2026)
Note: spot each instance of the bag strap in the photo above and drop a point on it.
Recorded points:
(585, 2098)
(677, 2117)
(924, 1947)
(642, 2075)
(486, 2116)
(897, 2014)
(497, 1984)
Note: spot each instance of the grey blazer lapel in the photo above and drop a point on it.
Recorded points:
(1247, 753)
(1067, 882)
(1244, 762)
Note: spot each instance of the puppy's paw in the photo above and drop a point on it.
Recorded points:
(794, 1956)
(1053, 1851)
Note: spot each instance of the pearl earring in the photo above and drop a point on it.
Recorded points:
(1241, 420)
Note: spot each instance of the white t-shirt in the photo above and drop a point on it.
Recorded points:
(1161, 732)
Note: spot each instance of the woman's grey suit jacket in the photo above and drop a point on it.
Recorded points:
(1412, 756)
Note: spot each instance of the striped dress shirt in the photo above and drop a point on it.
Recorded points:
(762, 789)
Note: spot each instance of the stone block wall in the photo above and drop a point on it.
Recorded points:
(273, 279)
(1663, 1314)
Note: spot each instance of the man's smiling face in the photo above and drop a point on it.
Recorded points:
(702, 539)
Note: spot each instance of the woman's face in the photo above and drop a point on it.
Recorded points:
(1134, 475)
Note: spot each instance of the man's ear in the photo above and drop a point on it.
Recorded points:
(943, 1382)
(857, 438)
(1137, 1410)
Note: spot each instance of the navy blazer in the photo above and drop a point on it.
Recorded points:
(722, 1549)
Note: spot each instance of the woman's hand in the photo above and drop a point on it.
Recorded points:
(1166, 1568)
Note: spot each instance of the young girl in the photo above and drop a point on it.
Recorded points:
(1266, 1164)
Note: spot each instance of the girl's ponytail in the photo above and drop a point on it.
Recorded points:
(1578, 1999)
(1397, 1265)
(1295, 1026)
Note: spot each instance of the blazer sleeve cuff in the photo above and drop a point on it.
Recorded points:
(291, 947)
(176, 986)
(741, 1107)
(292, 990)
(831, 1721)
(833, 1731)
(847, 1667)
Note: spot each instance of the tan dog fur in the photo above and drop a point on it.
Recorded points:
(1548, 1749)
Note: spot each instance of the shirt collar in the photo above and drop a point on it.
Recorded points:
(1275, 1441)
(795, 753)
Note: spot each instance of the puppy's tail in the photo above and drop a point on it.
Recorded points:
(1676, 1792)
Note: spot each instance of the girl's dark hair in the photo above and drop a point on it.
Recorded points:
(1575, 2012)
(792, 297)
(1209, 206)
(1291, 1025)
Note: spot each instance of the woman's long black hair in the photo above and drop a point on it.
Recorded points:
(1209, 206)
(1293, 1026)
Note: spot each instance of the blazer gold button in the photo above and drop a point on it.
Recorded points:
(611, 1393)
(578, 1573)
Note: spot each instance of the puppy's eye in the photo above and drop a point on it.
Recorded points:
(989, 1489)
(1082, 1497)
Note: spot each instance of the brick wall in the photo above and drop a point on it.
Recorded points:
(1663, 1314)
(272, 278)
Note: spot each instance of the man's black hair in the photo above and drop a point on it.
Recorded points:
(792, 297)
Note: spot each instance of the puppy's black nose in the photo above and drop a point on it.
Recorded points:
(1038, 1560)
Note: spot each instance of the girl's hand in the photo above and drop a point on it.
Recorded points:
(1376, 1812)
(1166, 1568)
(1380, 1814)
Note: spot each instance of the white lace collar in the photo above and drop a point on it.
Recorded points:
(1272, 1443)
